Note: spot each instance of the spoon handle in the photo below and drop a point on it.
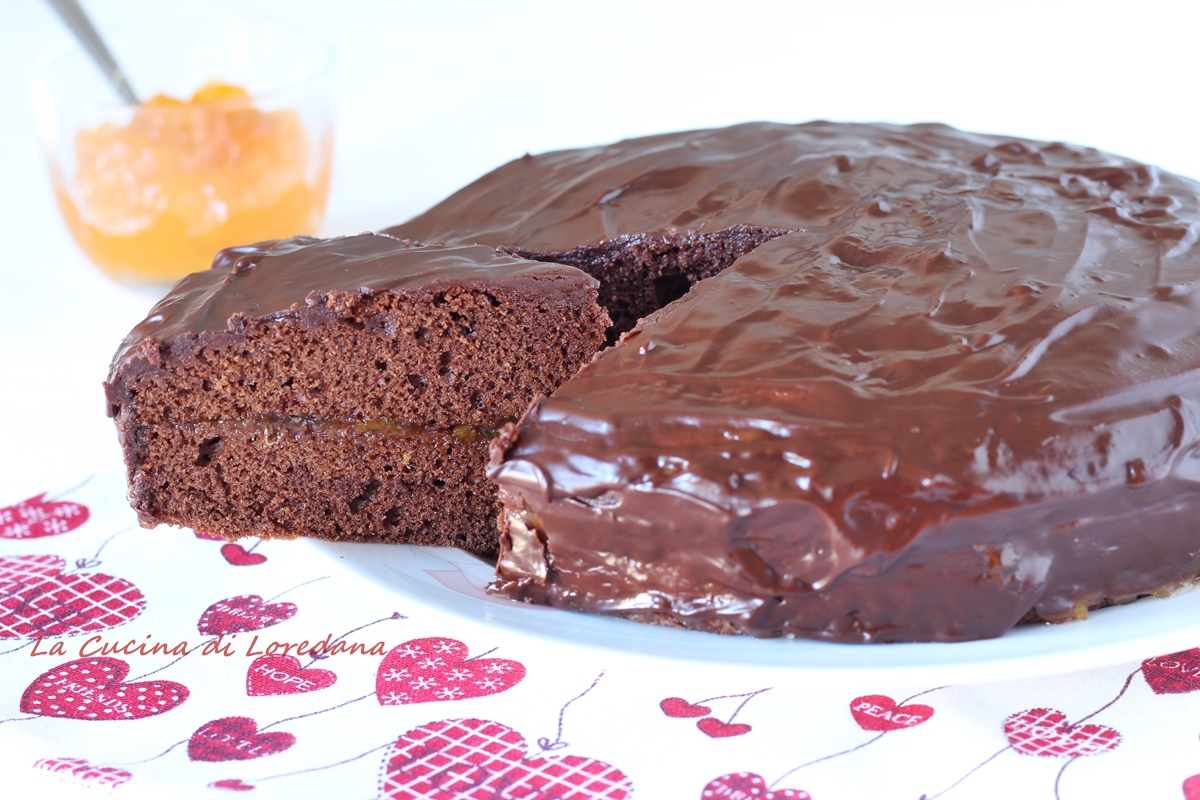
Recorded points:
(77, 20)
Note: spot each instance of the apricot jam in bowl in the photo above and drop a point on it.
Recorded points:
(230, 143)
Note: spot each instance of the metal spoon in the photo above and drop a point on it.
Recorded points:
(77, 20)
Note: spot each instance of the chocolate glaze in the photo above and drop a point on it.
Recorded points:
(962, 393)
(279, 277)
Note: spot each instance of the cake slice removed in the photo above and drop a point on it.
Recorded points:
(342, 388)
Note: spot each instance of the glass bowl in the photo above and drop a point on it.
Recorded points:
(231, 143)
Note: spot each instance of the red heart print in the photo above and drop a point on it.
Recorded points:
(212, 537)
(238, 556)
(747, 786)
(878, 712)
(38, 517)
(282, 674)
(1045, 732)
(474, 759)
(80, 771)
(1191, 788)
(235, 739)
(26, 567)
(93, 689)
(243, 613)
(678, 707)
(436, 668)
(37, 600)
(233, 784)
(719, 730)
(1176, 673)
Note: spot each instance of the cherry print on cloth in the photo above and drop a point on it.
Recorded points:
(239, 556)
(282, 674)
(720, 730)
(38, 517)
(474, 759)
(37, 599)
(92, 689)
(80, 771)
(712, 727)
(878, 712)
(235, 739)
(747, 786)
(212, 537)
(1177, 673)
(247, 612)
(436, 668)
(232, 784)
(1191, 788)
(678, 707)
(1045, 732)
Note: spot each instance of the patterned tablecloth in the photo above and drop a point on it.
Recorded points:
(164, 663)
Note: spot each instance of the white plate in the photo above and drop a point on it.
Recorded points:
(453, 581)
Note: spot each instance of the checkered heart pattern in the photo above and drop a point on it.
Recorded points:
(1045, 732)
(28, 567)
(36, 599)
(747, 786)
(80, 771)
(474, 759)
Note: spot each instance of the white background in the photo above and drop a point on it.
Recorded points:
(431, 95)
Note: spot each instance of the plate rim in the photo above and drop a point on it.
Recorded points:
(1103, 639)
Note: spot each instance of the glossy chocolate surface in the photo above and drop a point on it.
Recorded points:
(962, 393)
(278, 277)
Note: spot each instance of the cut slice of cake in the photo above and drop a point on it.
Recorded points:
(343, 388)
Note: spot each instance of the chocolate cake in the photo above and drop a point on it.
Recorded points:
(342, 388)
(925, 384)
